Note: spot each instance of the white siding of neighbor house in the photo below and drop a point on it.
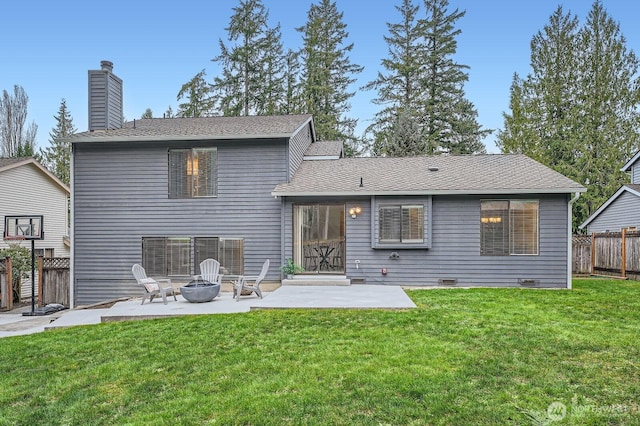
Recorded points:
(26, 190)
(454, 251)
(623, 212)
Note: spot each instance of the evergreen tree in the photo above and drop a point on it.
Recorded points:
(577, 112)
(327, 74)
(57, 156)
(398, 88)
(293, 103)
(169, 112)
(422, 84)
(147, 113)
(197, 93)
(252, 77)
(449, 120)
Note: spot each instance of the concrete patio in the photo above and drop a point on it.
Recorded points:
(357, 296)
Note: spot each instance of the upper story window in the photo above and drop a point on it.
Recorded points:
(193, 173)
(509, 227)
(401, 224)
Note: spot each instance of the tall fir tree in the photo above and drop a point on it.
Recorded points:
(197, 93)
(56, 157)
(578, 111)
(252, 79)
(449, 120)
(398, 88)
(328, 73)
(423, 83)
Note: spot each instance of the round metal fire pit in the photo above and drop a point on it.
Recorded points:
(199, 291)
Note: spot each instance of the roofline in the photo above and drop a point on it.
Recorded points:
(629, 163)
(623, 188)
(313, 130)
(168, 138)
(427, 192)
(43, 169)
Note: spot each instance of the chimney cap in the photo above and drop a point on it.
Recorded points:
(106, 65)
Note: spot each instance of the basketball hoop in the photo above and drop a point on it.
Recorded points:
(25, 227)
(13, 238)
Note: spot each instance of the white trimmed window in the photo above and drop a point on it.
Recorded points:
(193, 173)
(401, 224)
(509, 227)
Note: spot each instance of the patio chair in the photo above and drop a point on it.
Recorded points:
(250, 284)
(210, 271)
(151, 286)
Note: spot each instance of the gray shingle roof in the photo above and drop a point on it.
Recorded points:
(157, 129)
(464, 174)
(325, 149)
(8, 161)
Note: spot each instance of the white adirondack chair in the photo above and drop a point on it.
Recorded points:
(250, 284)
(210, 271)
(151, 286)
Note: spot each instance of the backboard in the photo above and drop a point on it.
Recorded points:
(23, 227)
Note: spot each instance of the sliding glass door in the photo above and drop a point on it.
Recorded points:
(318, 237)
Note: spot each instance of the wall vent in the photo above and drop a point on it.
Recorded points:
(448, 281)
(527, 281)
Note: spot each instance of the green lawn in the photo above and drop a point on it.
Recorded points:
(482, 356)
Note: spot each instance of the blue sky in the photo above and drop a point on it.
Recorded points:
(156, 46)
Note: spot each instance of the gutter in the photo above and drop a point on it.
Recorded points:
(570, 239)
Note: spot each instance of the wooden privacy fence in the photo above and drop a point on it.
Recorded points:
(53, 282)
(607, 253)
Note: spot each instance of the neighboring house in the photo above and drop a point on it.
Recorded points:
(168, 193)
(622, 209)
(28, 188)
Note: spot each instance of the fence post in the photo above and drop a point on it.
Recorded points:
(593, 253)
(9, 284)
(40, 282)
(623, 261)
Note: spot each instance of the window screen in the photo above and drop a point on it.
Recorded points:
(193, 173)
(509, 227)
(401, 224)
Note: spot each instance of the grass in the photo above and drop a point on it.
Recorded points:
(481, 356)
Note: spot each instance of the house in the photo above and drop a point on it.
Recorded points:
(169, 193)
(622, 209)
(29, 189)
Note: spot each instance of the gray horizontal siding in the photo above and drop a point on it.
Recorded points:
(623, 212)
(455, 248)
(635, 173)
(121, 195)
(298, 145)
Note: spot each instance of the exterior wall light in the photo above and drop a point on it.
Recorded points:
(355, 211)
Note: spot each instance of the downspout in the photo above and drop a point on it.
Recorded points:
(72, 285)
(570, 238)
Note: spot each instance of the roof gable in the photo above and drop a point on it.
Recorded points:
(12, 163)
(630, 163)
(632, 189)
(444, 174)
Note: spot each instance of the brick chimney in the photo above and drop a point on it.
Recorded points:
(105, 98)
